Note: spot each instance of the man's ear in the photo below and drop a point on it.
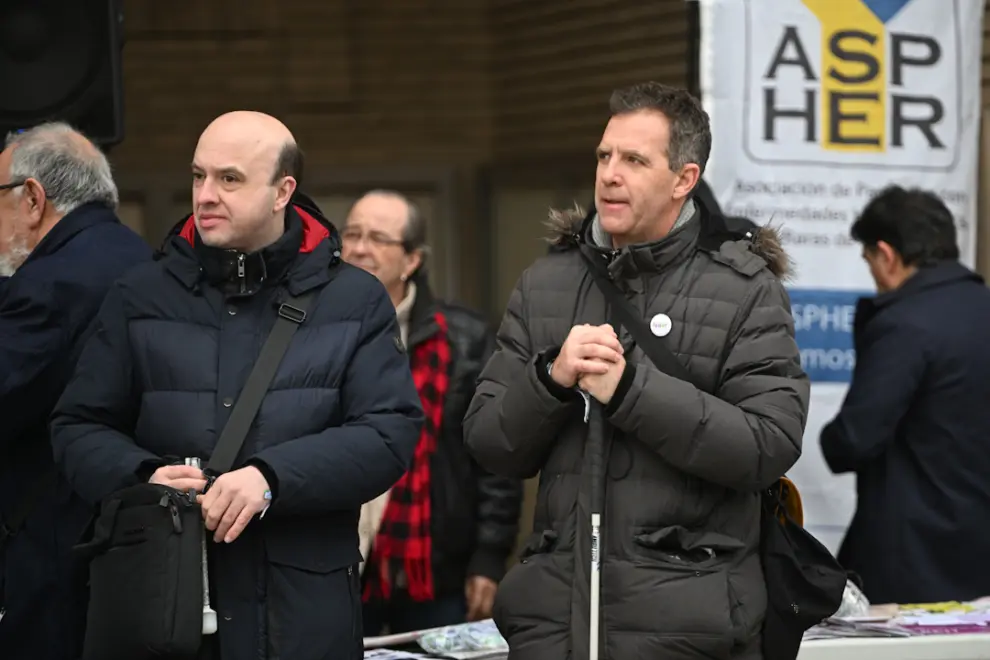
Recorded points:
(284, 192)
(890, 257)
(686, 180)
(414, 260)
(37, 200)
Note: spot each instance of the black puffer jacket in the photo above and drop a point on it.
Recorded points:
(46, 309)
(475, 517)
(173, 346)
(681, 577)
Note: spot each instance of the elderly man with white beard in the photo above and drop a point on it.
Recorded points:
(61, 246)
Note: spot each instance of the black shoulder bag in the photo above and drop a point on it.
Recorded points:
(804, 581)
(146, 563)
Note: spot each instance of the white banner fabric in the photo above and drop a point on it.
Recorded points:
(816, 105)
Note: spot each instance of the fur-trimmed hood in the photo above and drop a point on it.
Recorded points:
(569, 228)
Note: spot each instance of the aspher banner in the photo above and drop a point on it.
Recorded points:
(816, 105)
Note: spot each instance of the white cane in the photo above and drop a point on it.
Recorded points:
(596, 449)
(596, 521)
(209, 614)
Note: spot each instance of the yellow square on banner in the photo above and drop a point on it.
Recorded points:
(853, 73)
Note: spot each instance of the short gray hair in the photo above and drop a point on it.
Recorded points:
(72, 170)
(690, 129)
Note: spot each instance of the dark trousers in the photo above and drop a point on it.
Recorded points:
(400, 614)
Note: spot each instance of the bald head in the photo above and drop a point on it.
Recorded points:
(272, 139)
(253, 121)
(245, 169)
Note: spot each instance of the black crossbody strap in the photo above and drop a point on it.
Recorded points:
(653, 346)
(291, 314)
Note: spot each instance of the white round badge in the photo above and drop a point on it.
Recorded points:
(660, 325)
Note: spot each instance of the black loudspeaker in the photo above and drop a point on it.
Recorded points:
(60, 60)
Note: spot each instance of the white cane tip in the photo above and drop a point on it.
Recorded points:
(209, 622)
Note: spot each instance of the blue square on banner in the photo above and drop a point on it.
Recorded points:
(823, 326)
(885, 9)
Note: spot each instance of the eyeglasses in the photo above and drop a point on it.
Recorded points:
(374, 237)
(12, 184)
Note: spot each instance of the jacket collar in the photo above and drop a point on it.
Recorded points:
(300, 260)
(422, 318)
(244, 273)
(926, 278)
(735, 242)
(705, 231)
(72, 223)
(645, 258)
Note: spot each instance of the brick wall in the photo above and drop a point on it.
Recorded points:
(555, 63)
(360, 82)
(379, 82)
(375, 82)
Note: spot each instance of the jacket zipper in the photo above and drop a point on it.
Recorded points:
(241, 272)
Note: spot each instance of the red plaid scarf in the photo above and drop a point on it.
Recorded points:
(405, 529)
